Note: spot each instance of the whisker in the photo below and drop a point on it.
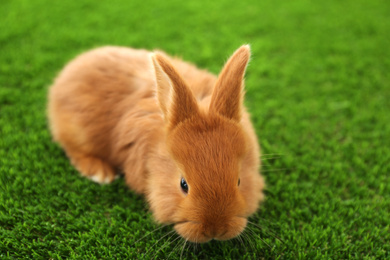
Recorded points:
(271, 154)
(277, 170)
(166, 243)
(266, 166)
(195, 247)
(196, 244)
(257, 217)
(192, 245)
(269, 232)
(150, 233)
(252, 232)
(241, 241)
(181, 254)
(245, 235)
(176, 246)
(170, 232)
(269, 158)
(258, 236)
(262, 240)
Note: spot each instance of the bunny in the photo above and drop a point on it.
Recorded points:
(180, 135)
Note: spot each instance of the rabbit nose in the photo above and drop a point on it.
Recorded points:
(224, 230)
(215, 232)
(210, 233)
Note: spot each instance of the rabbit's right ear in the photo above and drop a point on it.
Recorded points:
(174, 96)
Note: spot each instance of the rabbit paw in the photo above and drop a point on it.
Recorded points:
(95, 169)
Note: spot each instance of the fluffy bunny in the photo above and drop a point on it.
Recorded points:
(180, 135)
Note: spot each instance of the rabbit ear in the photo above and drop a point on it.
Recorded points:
(227, 97)
(175, 98)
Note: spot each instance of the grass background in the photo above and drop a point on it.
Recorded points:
(318, 91)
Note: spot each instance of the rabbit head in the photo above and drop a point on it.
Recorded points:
(206, 194)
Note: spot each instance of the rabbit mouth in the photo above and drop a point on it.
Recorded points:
(198, 232)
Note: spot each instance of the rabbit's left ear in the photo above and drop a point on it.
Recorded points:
(175, 98)
(227, 97)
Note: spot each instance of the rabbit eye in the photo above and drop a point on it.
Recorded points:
(184, 185)
(239, 182)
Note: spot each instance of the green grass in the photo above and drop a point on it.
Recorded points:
(317, 88)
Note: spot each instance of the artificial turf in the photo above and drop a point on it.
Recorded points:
(318, 91)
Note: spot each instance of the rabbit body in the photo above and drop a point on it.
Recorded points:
(158, 120)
